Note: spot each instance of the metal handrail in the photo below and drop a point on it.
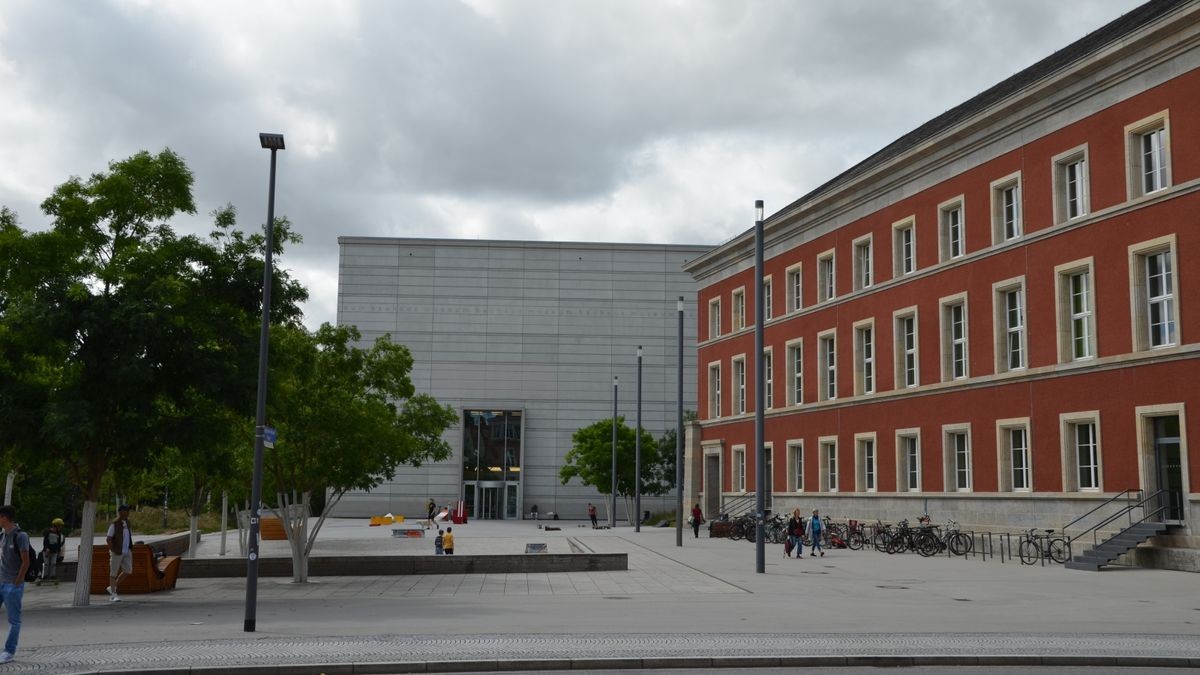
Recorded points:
(1095, 529)
(733, 504)
(1123, 493)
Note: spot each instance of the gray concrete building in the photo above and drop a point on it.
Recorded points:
(523, 339)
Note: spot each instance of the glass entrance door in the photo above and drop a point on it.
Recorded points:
(491, 503)
(1168, 467)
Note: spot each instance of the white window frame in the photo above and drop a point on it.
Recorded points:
(1011, 335)
(904, 259)
(768, 288)
(957, 463)
(714, 318)
(739, 374)
(1076, 323)
(739, 468)
(1142, 180)
(903, 351)
(827, 276)
(864, 262)
(1072, 193)
(1007, 209)
(952, 229)
(1069, 424)
(769, 378)
(795, 371)
(714, 390)
(738, 303)
(866, 456)
(906, 471)
(828, 463)
(866, 356)
(1007, 469)
(950, 341)
(1144, 304)
(795, 450)
(794, 277)
(826, 366)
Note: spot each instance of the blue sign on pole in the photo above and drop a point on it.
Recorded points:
(269, 437)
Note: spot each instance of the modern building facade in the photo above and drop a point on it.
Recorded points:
(524, 340)
(994, 319)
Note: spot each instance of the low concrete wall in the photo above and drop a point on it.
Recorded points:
(351, 566)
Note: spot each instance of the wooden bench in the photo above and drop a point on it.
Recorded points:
(271, 529)
(149, 574)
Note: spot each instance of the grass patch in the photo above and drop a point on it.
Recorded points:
(150, 521)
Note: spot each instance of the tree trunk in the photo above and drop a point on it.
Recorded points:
(193, 535)
(83, 574)
(224, 519)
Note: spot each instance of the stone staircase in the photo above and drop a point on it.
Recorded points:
(1115, 546)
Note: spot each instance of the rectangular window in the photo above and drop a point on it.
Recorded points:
(864, 356)
(1152, 268)
(1148, 153)
(1071, 190)
(829, 466)
(1006, 209)
(862, 263)
(866, 465)
(739, 386)
(795, 288)
(909, 462)
(906, 350)
(795, 363)
(795, 466)
(1010, 326)
(714, 390)
(1087, 455)
(1075, 302)
(714, 318)
(1018, 449)
(739, 470)
(904, 247)
(953, 243)
(769, 379)
(957, 458)
(766, 299)
(739, 309)
(826, 289)
(828, 366)
(955, 365)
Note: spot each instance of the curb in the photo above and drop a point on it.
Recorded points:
(662, 662)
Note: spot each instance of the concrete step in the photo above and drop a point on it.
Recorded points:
(1082, 565)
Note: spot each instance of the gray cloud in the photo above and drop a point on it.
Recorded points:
(638, 121)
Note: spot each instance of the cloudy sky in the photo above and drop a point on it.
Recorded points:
(640, 120)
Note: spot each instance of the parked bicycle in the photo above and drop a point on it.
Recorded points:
(1035, 546)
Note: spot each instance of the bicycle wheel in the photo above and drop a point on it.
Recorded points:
(959, 543)
(880, 542)
(751, 533)
(927, 545)
(1059, 550)
(736, 532)
(1029, 552)
(855, 541)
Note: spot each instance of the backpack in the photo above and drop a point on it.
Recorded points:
(35, 568)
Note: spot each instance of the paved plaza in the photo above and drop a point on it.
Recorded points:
(702, 601)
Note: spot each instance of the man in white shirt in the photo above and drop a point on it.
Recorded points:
(120, 561)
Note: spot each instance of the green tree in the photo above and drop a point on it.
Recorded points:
(347, 419)
(590, 460)
(112, 326)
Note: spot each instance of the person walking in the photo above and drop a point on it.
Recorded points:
(14, 562)
(592, 514)
(120, 560)
(431, 507)
(697, 519)
(795, 532)
(448, 541)
(52, 546)
(815, 530)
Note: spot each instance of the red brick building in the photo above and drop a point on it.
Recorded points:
(995, 318)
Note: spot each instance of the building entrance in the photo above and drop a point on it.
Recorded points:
(1168, 467)
(712, 486)
(492, 450)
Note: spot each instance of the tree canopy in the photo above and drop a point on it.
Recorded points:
(590, 460)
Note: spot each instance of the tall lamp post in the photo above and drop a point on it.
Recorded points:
(612, 497)
(679, 429)
(274, 143)
(761, 482)
(637, 453)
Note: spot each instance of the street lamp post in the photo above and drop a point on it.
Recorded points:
(679, 429)
(761, 482)
(612, 497)
(637, 453)
(274, 143)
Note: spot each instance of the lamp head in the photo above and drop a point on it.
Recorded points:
(758, 209)
(271, 141)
